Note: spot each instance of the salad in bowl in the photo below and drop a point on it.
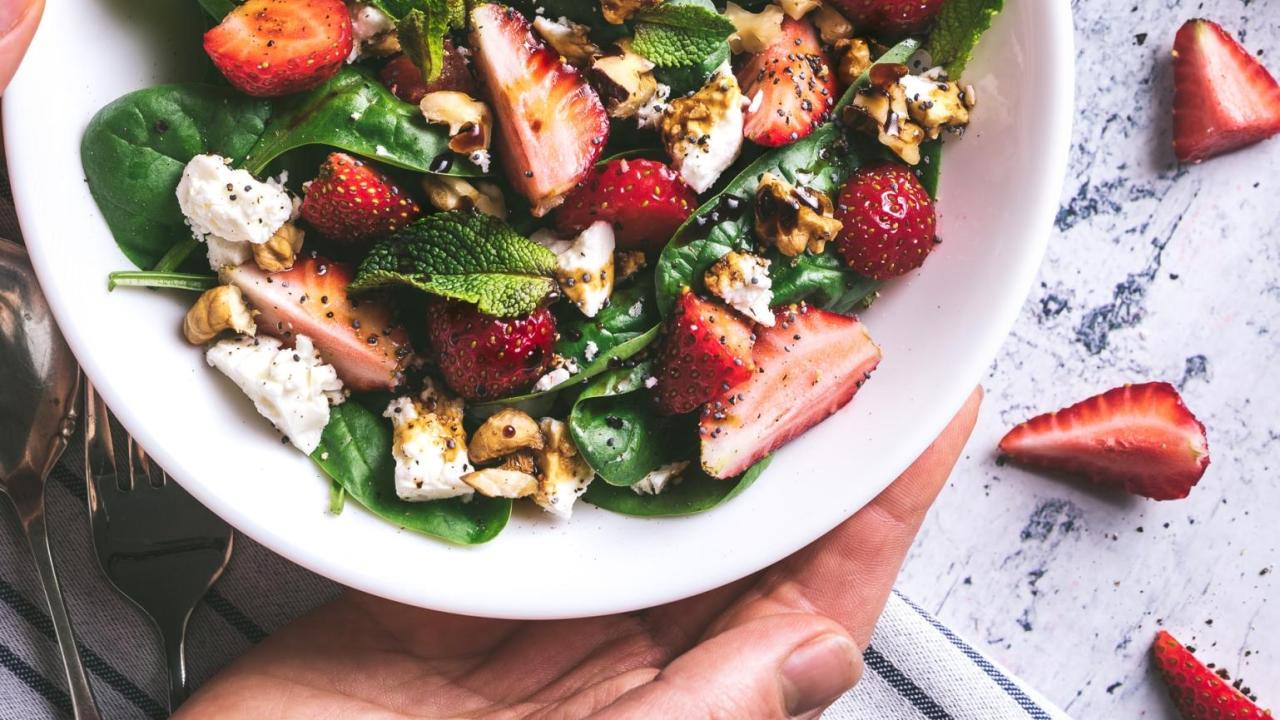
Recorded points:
(464, 254)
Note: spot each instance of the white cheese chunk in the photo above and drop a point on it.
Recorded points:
(368, 25)
(230, 205)
(703, 132)
(584, 265)
(429, 446)
(659, 479)
(742, 281)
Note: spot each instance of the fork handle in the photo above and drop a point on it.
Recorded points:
(82, 701)
(176, 661)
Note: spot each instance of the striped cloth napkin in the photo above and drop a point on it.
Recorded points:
(916, 666)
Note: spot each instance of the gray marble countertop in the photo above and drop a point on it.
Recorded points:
(1153, 272)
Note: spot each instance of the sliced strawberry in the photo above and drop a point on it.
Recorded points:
(358, 336)
(1223, 97)
(1140, 437)
(707, 353)
(809, 365)
(350, 201)
(1199, 692)
(551, 125)
(891, 19)
(483, 357)
(889, 222)
(403, 78)
(790, 87)
(644, 200)
(267, 48)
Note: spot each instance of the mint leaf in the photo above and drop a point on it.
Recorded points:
(456, 10)
(961, 24)
(422, 38)
(463, 255)
(679, 34)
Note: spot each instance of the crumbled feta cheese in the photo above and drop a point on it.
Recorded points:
(230, 205)
(291, 387)
(703, 132)
(742, 281)
(648, 114)
(935, 104)
(481, 159)
(551, 379)
(430, 446)
(368, 26)
(651, 382)
(563, 473)
(590, 350)
(658, 480)
(585, 265)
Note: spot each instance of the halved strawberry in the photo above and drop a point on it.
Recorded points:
(891, 19)
(790, 87)
(707, 353)
(1140, 437)
(484, 357)
(1223, 97)
(551, 125)
(644, 200)
(356, 335)
(1199, 692)
(350, 201)
(808, 365)
(403, 78)
(267, 48)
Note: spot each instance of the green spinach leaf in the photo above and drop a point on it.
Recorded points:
(694, 494)
(355, 451)
(218, 9)
(134, 150)
(960, 26)
(823, 280)
(355, 112)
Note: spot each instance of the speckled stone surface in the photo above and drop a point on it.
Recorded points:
(1153, 272)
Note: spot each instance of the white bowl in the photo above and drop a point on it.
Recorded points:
(940, 329)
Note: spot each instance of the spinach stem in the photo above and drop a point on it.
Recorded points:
(155, 279)
(175, 255)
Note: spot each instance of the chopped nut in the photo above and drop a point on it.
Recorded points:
(568, 38)
(754, 31)
(832, 26)
(619, 11)
(883, 108)
(501, 483)
(794, 219)
(520, 461)
(278, 253)
(628, 263)
(624, 79)
(470, 121)
(854, 58)
(935, 104)
(564, 474)
(446, 192)
(796, 9)
(505, 432)
(218, 309)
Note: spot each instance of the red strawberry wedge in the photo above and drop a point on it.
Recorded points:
(891, 19)
(1139, 437)
(707, 353)
(403, 78)
(1199, 692)
(483, 357)
(644, 200)
(350, 201)
(551, 124)
(1223, 98)
(809, 365)
(267, 48)
(356, 336)
(790, 87)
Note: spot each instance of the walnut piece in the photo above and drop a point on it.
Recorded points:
(753, 31)
(624, 79)
(501, 483)
(446, 192)
(504, 433)
(470, 121)
(628, 263)
(854, 58)
(619, 11)
(794, 219)
(936, 104)
(568, 38)
(832, 26)
(882, 107)
(279, 252)
(796, 9)
(563, 473)
(218, 309)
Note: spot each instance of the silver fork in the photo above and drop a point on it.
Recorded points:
(159, 547)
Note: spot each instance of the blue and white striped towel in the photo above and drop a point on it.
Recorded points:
(916, 667)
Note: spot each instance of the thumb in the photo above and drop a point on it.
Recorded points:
(779, 666)
(18, 20)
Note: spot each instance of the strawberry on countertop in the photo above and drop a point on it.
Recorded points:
(357, 336)
(483, 357)
(552, 126)
(1197, 691)
(1140, 437)
(889, 222)
(1223, 97)
(789, 85)
(808, 365)
(644, 200)
(267, 48)
(707, 353)
(350, 201)
(891, 19)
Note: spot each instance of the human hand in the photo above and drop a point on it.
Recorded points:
(18, 20)
(785, 642)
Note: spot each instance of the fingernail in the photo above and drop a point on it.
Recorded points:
(818, 672)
